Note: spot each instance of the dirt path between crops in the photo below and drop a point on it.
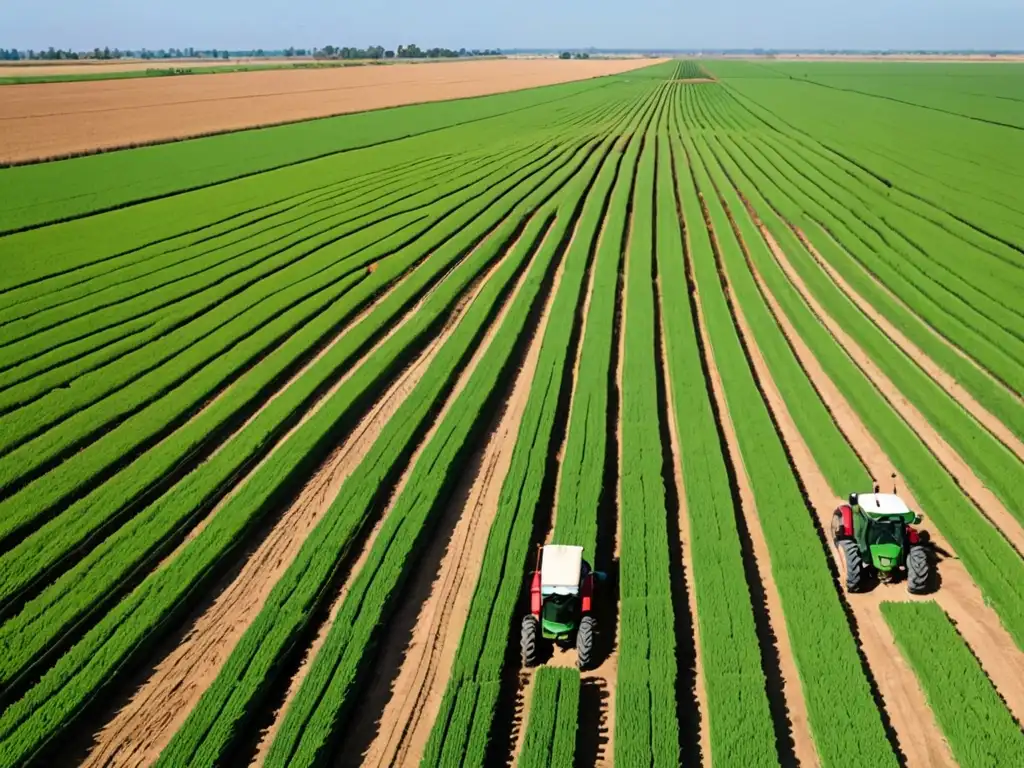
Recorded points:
(986, 502)
(412, 666)
(56, 119)
(796, 707)
(919, 736)
(958, 595)
(937, 373)
(142, 728)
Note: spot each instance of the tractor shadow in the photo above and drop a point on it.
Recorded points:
(592, 741)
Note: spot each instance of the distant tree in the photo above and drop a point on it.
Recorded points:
(389, 54)
(565, 55)
(225, 55)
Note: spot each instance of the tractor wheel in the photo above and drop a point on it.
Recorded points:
(528, 640)
(854, 564)
(585, 642)
(919, 570)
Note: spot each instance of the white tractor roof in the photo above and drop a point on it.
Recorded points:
(560, 567)
(882, 504)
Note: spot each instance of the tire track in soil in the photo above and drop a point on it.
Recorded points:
(920, 739)
(984, 500)
(937, 374)
(171, 687)
(803, 747)
(389, 723)
(958, 595)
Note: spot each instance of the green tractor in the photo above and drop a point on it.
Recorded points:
(873, 534)
(561, 604)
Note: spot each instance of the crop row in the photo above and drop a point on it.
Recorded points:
(842, 713)
(551, 730)
(990, 460)
(114, 498)
(463, 725)
(646, 725)
(872, 237)
(978, 726)
(993, 564)
(149, 407)
(738, 714)
(60, 191)
(323, 697)
(123, 631)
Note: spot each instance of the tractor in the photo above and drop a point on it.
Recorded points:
(873, 534)
(561, 604)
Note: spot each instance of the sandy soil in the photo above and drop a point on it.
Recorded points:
(141, 729)
(958, 595)
(803, 744)
(918, 733)
(937, 373)
(401, 700)
(55, 119)
(986, 501)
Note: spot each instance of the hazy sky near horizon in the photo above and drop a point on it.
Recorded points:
(642, 24)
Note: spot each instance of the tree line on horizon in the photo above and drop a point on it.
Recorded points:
(326, 52)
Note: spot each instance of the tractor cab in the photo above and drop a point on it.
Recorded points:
(561, 595)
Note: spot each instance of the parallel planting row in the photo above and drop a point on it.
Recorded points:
(698, 321)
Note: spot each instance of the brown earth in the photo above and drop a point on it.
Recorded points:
(958, 595)
(986, 502)
(54, 119)
(142, 728)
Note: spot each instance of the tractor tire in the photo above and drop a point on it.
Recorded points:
(585, 637)
(919, 570)
(854, 564)
(528, 641)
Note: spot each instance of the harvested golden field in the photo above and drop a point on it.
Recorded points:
(55, 119)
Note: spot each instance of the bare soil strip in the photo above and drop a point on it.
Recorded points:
(137, 734)
(940, 376)
(401, 700)
(958, 595)
(55, 119)
(803, 744)
(912, 719)
(986, 501)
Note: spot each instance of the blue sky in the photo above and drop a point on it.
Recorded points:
(522, 23)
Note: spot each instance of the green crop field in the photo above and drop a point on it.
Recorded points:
(288, 415)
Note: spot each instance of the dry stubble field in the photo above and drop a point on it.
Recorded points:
(59, 119)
